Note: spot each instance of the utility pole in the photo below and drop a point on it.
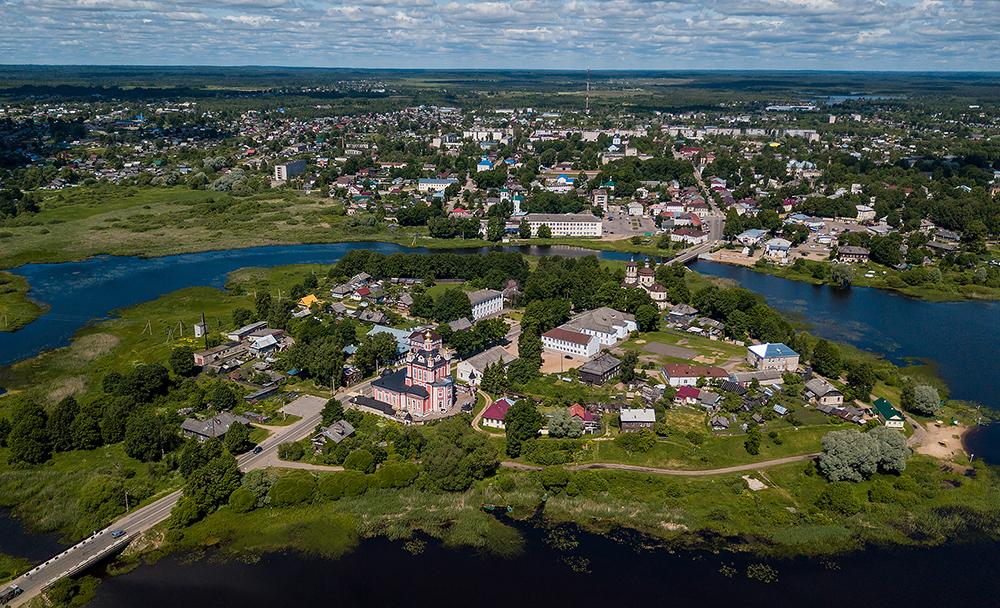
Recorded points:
(588, 92)
(204, 329)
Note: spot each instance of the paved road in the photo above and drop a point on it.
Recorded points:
(141, 520)
(678, 472)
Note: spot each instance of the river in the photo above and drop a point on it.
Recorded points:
(620, 573)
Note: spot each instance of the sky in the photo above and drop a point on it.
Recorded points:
(563, 34)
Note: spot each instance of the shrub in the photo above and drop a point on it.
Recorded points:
(242, 501)
(554, 479)
(291, 451)
(344, 485)
(396, 474)
(590, 483)
(548, 452)
(360, 460)
(292, 489)
(839, 497)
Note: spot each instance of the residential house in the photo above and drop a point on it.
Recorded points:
(850, 254)
(822, 392)
(212, 428)
(336, 432)
(494, 415)
(892, 417)
(681, 374)
(590, 423)
(636, 419)
(687, 395)
(599, 370)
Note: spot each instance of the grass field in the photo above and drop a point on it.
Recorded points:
(16, 308)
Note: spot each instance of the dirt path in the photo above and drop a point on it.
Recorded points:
(942, 441)
(678, 472)
(478, 417)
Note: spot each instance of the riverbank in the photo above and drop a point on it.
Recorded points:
(887, 279)
(17, 309)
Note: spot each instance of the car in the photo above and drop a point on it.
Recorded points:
(118, 533)
(257, 449)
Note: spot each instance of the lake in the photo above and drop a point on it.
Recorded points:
(620, 573)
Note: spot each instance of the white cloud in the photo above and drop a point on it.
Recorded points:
(846, 34)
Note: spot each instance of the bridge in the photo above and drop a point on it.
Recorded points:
(103, 544)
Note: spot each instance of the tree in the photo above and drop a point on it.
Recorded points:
(333, 411)
(630, 359)
(86, 428)
(841, 275)
(29, 439)
(926, 400)
(222, 397)
(524, 229)
(752, 443)
(854, 456)
(148, 436)
(861, 380)
(544, 232)
(452, 304)
(60, 424)
(647, 317)
(360, 460)
(237, 438)
(495, 229)
(529, 346)
(375, 351)
(182, 361)
(241, 316)
(522, 422)
(211, 485)
(494, 380)
(262, 305)
(562, 424)
(826, 359)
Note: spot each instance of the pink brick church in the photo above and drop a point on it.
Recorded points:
(424, 386)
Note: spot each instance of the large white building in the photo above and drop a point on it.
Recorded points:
(471, 370)
(485, 302)
(566, 224)
(564, 340)
(435, 185)
(773, 355)
(606, 324)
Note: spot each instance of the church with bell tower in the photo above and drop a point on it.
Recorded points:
(645, 278)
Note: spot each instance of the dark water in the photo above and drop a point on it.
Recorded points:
(81, 292)
(18, 541)
(962, 338)
(382, 573)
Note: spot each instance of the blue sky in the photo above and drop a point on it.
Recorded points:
(608, 34)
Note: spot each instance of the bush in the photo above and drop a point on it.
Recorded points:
(839, 497)
(548, 452)
(360, 460)
(639, 441)
(590, 483)
(242, 501)
(554, 479)
(292, 489)
(396, 474)
(291, 451)
(344, 485)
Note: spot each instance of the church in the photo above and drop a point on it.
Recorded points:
(645, 278)
(424, 386)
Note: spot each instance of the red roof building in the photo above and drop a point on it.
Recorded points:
(496, 412)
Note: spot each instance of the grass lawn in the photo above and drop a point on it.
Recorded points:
(709, 352)
(11, 567)
(16, 308)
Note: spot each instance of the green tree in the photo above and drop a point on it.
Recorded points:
(333, 410)
(524, 229)
(237, 438)
(60, 424)
(222, 397)
(376, 350)
(826, 359)
(861, 380)
(495, 228)
(854, 456)
(630, 359)
(544, 232)
(752, 442)
(241, 317)
(210, 486)
(647, 317)
(522, 422)
(841, 275)
(28, 439)
(562, 424)
(86, 428)
(494, 380)
(360, 460)
(148, 436)
(926, 400)
(182, 361)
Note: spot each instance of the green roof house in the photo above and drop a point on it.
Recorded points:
(892, 417)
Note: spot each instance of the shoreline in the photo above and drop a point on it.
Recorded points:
(913, 293)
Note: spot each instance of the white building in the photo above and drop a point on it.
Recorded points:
(606, 324)
(777, 248)
(566, 224)
(286, 171)
(485, 302)
(435, 185)
(771, 355)
(571, 342)
(865, 213)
